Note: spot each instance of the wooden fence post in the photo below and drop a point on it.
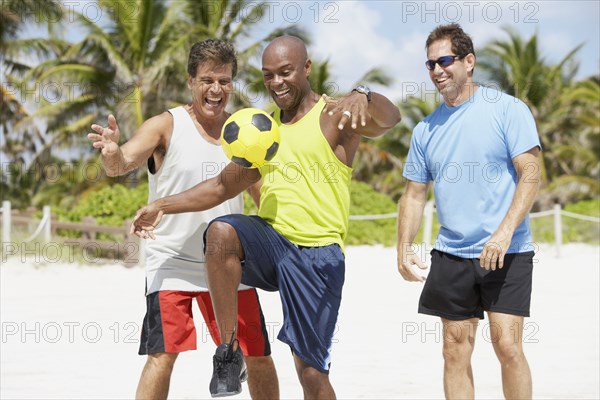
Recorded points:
(47, 217)
(557, 228)
(6, 214)
(91, 234)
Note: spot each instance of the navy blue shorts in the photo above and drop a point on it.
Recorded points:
(309, 281)
(458, 288)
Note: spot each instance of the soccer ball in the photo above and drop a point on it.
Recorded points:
(250, 137)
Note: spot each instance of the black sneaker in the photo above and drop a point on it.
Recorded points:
(229, 371)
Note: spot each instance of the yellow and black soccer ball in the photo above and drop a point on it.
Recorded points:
(250, 137)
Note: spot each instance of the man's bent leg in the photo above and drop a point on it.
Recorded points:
(156, 376)
(459, 341)
(224, 273)
(506, 332)
(262, 378)
(315, 383)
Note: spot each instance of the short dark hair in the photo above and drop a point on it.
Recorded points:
(461, 42)
(219, 51)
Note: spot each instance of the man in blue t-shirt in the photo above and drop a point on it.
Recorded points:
(480, 149)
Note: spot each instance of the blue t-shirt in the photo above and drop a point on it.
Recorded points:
(467, 152)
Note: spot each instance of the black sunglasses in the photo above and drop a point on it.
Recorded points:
(444, 61)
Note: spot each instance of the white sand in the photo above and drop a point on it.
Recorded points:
(72, 331)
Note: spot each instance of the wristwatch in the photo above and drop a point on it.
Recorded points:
(364, 90)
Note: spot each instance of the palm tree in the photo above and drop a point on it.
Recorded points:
(133, 67)
(380, 162)
(584, 98)
(137, 67)
(115, 69)
(576, 154)
(518, 68)
(14, 14)
(21, 148)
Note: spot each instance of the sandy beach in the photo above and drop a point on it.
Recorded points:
(71, 331)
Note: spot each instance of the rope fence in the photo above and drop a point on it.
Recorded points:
(557, 212)
(45, 224)
(126, 246)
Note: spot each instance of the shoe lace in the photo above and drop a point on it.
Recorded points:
(225, 357)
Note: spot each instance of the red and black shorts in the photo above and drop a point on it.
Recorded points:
(169, 326)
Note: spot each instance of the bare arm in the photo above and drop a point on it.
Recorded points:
(232, 181)
(119, 160)
(370, 119)
(410, 212)
(528, 170)
(384, 115)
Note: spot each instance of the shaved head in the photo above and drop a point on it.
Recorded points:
(287, 47)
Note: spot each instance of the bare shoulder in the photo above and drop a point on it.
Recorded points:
(343, 142)
(330, 129)
(162, 123)
(153, 134)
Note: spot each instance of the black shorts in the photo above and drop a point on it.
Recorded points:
(458, 288)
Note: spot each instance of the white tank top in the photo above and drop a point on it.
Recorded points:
(175, 260)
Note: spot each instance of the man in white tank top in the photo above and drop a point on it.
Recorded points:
(182, 148)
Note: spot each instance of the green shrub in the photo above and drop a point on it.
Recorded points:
(111, 205)
(574, 230)
(586, 207)
(364, 200)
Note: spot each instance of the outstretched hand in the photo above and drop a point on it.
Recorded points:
(106, 138)
(353, 107)
(146, 219)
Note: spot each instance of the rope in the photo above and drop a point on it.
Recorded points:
(386, 216)
(43, 222)
(579, 216)
(372, 217)
(539, 214)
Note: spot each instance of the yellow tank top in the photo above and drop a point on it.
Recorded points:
(305, 193)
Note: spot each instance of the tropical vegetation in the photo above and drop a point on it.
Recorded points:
(132, 63)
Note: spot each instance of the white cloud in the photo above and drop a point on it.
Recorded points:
(381, 34)
(353, 46)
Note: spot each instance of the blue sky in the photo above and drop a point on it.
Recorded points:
(358, 35)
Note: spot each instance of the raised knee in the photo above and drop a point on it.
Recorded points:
(219, 230)
(221, 238)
